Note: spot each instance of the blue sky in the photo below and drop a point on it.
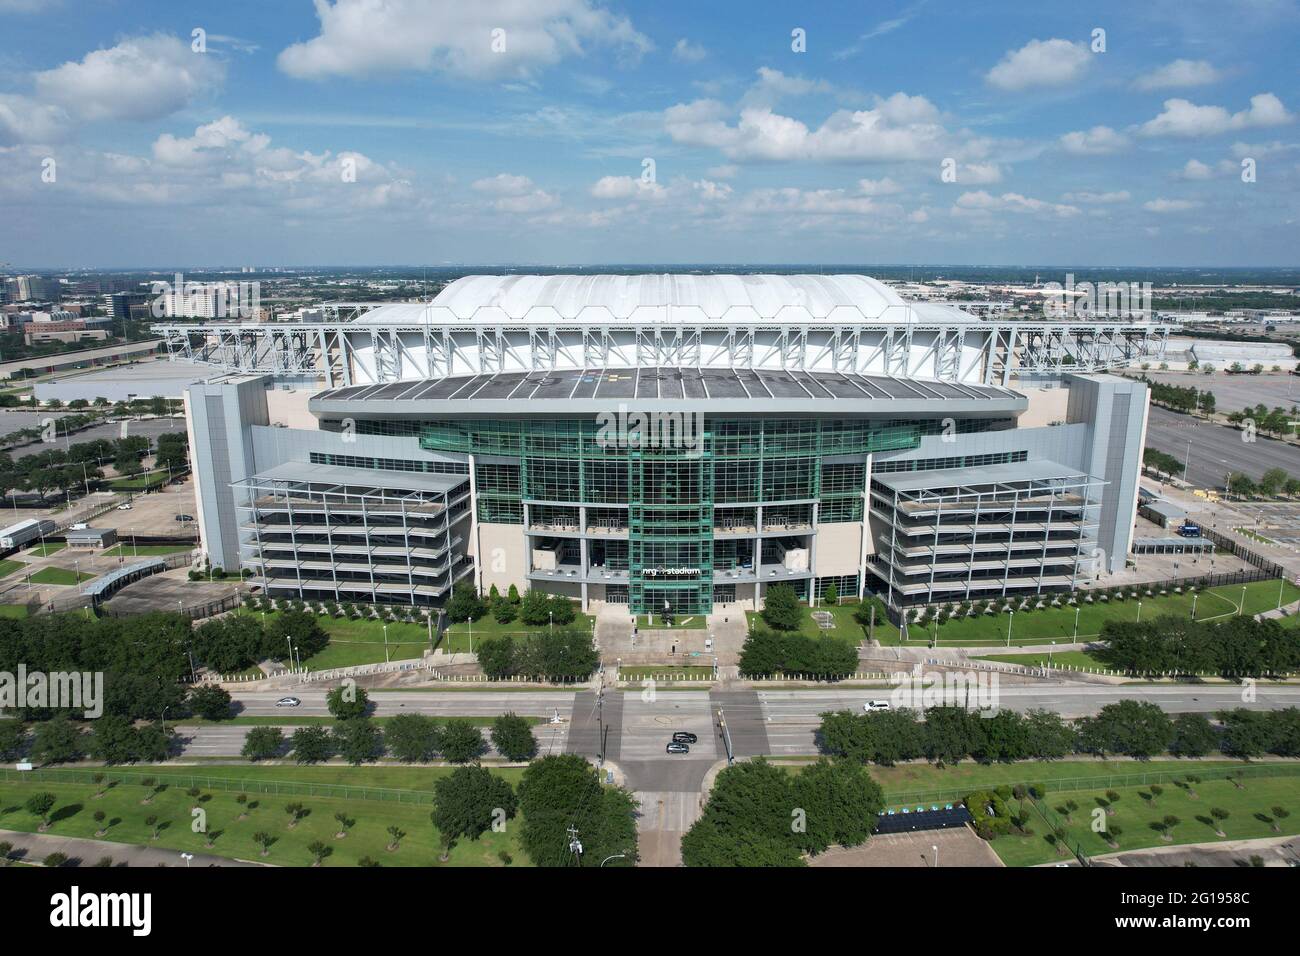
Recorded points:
(576, 131)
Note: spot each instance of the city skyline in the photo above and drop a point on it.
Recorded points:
(589, 133)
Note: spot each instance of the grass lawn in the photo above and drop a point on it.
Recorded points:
(458, 636)
(47, 549)
(146, 550)
(1249, 808)
(845, 627)
(13, 610)
(8, 566)
(1048, 624)
(1076, 659)
(687, 622)
(356, 641)
(232, 837)
(60, 576)
(138, 483)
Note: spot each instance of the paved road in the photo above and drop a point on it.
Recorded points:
(1216, 449)
(449, 703)
(149, 428)
(85, 852)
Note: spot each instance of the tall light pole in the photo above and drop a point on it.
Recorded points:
(1195, 595)
(1011, 616)
(1241, 608)
(385, 642)
(1077, 609)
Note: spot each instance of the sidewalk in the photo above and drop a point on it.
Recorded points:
(35, 847)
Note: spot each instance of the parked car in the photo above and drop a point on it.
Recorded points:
(185, 517)
(123, 507)
(871, 705)
(684, 737)
(678, 749)
(288, 702)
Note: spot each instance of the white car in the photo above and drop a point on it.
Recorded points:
(873, 705)
(123, 507)
(288, 702)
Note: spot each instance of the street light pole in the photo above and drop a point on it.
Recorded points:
(1011, 616)
(1077, 609)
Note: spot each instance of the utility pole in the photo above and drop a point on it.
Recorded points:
(575, 845)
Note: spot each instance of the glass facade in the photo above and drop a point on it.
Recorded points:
(669, 496)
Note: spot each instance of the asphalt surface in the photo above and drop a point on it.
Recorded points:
(1216, 449)
(150, 428)
(639, 725)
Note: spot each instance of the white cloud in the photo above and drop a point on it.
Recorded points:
(979, 174)
(24, 120)
(899, 127)
(626, 187)
(816, 202)
(533, 201)
(982, 201)
(1195, 170)
(139, 79)
(503, 184)
(773, 85)
(1093, 198)
(1098, 141)
(1179, 74)
(879, 187)
(1169, 205)
(212, 142)
(1040, 63)
(1184, 118)
(688, 52)
(359, 37)
(726, 171)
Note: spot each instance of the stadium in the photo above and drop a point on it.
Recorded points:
(666, 441)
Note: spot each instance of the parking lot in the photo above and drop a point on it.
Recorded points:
(1235, 392)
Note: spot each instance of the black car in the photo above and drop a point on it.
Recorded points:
(684, 737)
(676, 748)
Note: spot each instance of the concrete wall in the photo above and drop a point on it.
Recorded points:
(502, 556)
(1046, 405)
(839, 546)
(219, 416)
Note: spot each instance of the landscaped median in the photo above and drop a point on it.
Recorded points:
(370, 810)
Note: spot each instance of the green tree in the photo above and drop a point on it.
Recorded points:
(562, 791)
(781, 608)
(311, 744)
(751, 819)
(262, 743)
(462, 741)
(1193, 736)
(468, 802)
(357, 740)
(412, 738)
(513, 738)
(40, 805)
(57, 741)
(840, 801)
(210, 701)
(348, 701)
(465, 603)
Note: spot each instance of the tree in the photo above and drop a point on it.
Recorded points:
(1193, 736)
(1129, 727)
(750, 820)
(781, 609)
(264, 840)
(841, 802)
(562, 791)
(319, 851)
(40, 805)
(210, 701)
(348, 701)
(357, 740)
(831, 595)
(57, 741)
(513, 737)
(462, 741)
(465, 603)
(12, 738)
(295, 811)
(535, 608)
(469, 801)
(262, 743)
(55, 860)
(412, 738)
(311, 744)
